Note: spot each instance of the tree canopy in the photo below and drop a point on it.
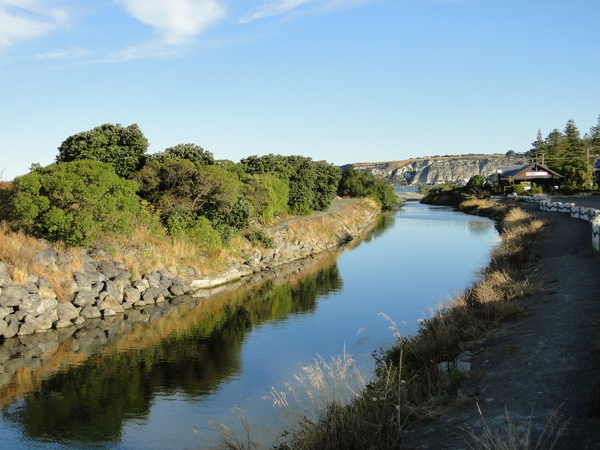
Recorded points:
(75, 202)
(122, 147)
(191, 152)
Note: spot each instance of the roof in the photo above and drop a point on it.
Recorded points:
(527, 172)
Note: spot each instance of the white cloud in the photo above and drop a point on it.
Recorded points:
(27, 19)
(278, 7)
(179, 20)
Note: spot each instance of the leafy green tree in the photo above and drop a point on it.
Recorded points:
(302, 185)
(274, 164)
(191, 152)
(122, 147)
(267, 196)
(578, 174)
(312, 185)
(362, 184)
(478, 186)
(353, 183)
(182, 192)
(327, 181)
(384, 194)
(76, 202)
(181, 185)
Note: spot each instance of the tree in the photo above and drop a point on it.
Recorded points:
(327, 181)
(554, 148)
(478, 186)
(191, 152)
(312, 184)
(267, 196)
(183, 192)
(574, 146)
(537, 148)
(594, 138)
(75, 202)
(578, 174)
(122, 147)
(362, 184)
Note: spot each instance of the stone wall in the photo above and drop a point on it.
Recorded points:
(104, 288)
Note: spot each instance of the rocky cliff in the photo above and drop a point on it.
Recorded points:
(438, 170)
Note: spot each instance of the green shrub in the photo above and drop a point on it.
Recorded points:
(518, 189)
(535, 190)
(75, 202)
(267, 196)
(191, 152)
(362, 184)
(570, 190)
(478, 187)
(122, 147)
(258, 236)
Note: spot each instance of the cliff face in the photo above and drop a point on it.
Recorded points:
(438, 170)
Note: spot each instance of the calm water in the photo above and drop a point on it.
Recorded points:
(155, 380)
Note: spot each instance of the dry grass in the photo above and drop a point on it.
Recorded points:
(17, 251)
(516, 437)
(409, 387)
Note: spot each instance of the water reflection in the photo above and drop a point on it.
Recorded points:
(146, 379)
(81, 386)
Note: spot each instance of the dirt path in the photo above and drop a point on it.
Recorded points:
(543, 362)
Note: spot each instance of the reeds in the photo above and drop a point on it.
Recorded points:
(519, 436)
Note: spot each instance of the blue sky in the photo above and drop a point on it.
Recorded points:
(337, 80)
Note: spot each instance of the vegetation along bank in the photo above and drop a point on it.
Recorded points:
(108, 228)
(422, 374)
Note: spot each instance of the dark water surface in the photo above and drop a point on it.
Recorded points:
(156, 385)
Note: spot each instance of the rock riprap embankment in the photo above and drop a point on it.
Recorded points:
(103, 288)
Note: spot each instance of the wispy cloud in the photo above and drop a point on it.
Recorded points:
(273, 8)
(27, 19)
(179, 20)
(278, 7)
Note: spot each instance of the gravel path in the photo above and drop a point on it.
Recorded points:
(543, 363)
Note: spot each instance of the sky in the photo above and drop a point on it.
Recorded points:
(337, 80)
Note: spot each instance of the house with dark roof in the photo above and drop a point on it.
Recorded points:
(529, 175)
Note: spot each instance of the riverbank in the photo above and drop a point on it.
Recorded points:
(100, 285)
(422, 375)
(534, 380)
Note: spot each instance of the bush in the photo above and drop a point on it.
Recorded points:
(191, 152)
(518, 189)
(535, 190)
(75, 202)
(478, 187)
(267, 196)
(258, 236)
(122, 147)
(195, 229)
(362, 184)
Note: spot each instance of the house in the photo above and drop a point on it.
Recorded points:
(529, 175)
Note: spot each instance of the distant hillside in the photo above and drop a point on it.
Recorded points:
(438, 169)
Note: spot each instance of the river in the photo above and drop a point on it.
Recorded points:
(155, 380)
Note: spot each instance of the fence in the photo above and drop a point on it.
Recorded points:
(577, 212)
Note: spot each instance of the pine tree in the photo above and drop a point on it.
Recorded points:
(574, 147)
(537, 148)
(554, 147)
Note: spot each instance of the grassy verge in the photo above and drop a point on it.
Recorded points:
(409, 386)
